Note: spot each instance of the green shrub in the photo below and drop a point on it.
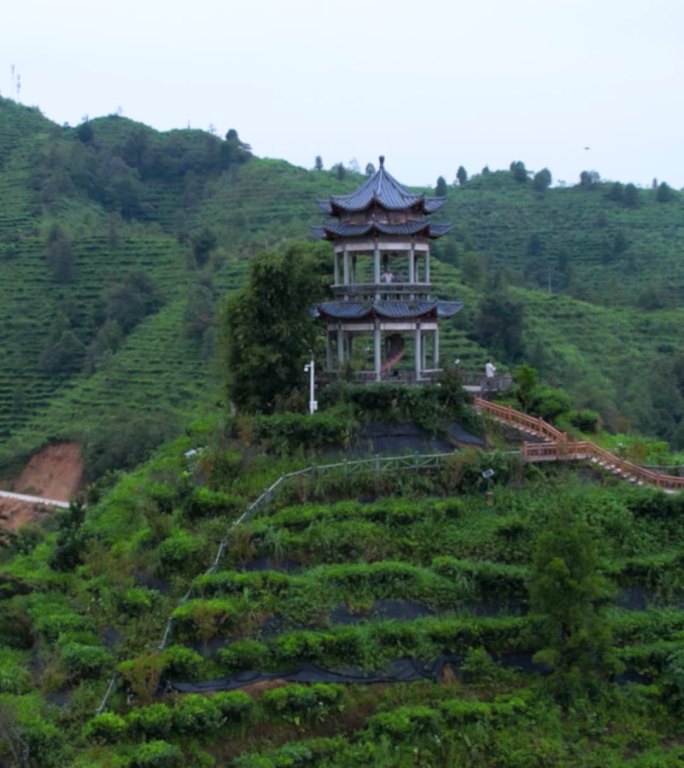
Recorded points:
(135, 601)
(258, 583)
(287, 433)
(126, 440)
(405, 722)
(51, 624)
(204, 502)
(181, 663)
(14, 676)
(164, 495)
(304, 703)
(243, 655)
(466, 711)
(206, 618)
(478, 667)
(179, 553)
(154, 721)
(585, 420)
(196, 714)
(46, 743)
(237, 707)
(143, 673)
(548, 402)
(105, 728)
(312, 752)
(672, 681)
(299, 646)
(488, 579)
(86, 660)
(156, 754)
(27, 538)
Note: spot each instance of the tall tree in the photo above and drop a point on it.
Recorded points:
(589, 179)
(203, 243)
(60, 254)
(461, 175)
(267, 326)
(542, 180)
(441, 187)
(518, 171)
(318, 163)
(233, 150)
(664, 193)
(631, 196)
(499, 325)
(568, 598)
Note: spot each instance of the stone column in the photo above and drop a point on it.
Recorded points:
(418, 351)
(378, 350)
(328, 352)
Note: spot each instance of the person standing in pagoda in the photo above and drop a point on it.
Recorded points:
(490, 370)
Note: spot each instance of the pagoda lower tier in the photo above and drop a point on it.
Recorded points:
(384, 339)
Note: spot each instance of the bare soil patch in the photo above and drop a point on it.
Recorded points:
(55, 472)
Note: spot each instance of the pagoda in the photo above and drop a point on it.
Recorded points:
(382, 322)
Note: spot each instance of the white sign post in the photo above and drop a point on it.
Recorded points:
(313, 404)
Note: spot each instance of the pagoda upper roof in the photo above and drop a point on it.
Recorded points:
(383, 190)
(334, 230)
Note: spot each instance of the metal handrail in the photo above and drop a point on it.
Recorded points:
(377, 464)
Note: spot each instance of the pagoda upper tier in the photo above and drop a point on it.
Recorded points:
(380, 206)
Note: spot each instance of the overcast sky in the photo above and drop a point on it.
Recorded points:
(570, 85)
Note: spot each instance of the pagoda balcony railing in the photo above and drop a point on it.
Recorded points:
(395, 376)
(394, 291)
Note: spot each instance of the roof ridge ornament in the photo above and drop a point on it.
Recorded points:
(382, 161)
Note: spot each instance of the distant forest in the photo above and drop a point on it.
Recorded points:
(119, 245)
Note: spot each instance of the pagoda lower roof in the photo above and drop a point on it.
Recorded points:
(351, 310)
(337, 230)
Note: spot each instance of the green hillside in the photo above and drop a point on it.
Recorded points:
(396, 613)
(119, 243)
(239, 600)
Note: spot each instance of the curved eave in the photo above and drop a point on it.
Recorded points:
(382, 190)
(338, 230)
(389, 310)
(419, 203)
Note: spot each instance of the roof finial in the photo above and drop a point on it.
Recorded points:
(382, 161)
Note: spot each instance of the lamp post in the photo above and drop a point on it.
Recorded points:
(488, 474)
(311, 368)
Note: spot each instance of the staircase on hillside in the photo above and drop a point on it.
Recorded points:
(557, 447)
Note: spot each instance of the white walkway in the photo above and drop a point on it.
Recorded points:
(34, 500)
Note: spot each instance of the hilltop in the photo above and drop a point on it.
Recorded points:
(242, 605)
(258, 592)
(118, 245)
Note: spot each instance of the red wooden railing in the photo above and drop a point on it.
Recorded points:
(558, 448)
(521, 420)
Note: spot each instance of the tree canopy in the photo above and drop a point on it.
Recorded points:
(267, 326)
(568, 597)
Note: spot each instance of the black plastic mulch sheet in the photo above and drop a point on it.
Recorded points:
(400, 671)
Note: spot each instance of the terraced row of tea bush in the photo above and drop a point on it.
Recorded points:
(345, 573)
(188, 210)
